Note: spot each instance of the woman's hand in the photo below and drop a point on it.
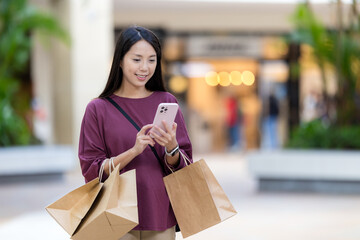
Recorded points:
(165, 138)
(143, 139)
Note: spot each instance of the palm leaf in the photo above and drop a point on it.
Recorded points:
(18, 22)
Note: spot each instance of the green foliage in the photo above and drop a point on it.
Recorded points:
(315, 134)
(18, 21)
(10, 121)
(311, 31)
(338, 48)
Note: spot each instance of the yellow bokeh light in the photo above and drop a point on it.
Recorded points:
(224, 79)
(248, 78)
(235, 77)
(211, 79)
(178, 84)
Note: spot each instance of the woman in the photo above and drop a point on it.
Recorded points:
(135, 83)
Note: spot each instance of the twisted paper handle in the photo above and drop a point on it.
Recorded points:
(186, 160)
(111, 164)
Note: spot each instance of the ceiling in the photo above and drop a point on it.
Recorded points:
(214, 15)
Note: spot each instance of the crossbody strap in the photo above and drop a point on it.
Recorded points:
(134, 124)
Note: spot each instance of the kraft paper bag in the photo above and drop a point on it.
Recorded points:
(69, 210)
(114, 212)
(197, 198)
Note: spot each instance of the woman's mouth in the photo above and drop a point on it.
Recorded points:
(141, 77)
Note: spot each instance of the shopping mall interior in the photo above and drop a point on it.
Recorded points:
(242, 86)
(223, 60)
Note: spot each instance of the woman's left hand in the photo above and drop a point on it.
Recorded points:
(165, 138)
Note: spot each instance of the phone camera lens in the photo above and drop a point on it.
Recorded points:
(163, 109)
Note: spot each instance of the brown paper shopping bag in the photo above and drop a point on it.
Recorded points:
(114, 212)
(69, 210)
(197, 198)
(97, 210)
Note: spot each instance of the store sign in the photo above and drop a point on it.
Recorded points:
(224, 46)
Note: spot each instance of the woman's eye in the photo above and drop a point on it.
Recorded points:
(152, 60)
(136, 60)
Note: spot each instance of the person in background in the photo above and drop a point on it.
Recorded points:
(135, 83)
(272, 121)
(233, 123)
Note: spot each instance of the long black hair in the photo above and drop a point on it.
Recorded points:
(128, 37)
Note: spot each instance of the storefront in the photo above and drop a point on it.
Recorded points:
(224, 82)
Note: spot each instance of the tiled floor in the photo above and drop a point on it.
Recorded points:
(261, 215)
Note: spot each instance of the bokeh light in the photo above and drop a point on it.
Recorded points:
(178, 84)
(211, 79)
(224, 79)
(248, 78)
(235, 78)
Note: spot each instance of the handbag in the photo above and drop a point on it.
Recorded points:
(197, 198)
(112, 213)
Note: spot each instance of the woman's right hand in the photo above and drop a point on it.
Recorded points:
(143, 139)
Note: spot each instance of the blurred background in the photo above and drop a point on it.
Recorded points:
(270, 91)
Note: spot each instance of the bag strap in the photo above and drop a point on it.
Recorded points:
(102, 167)
(133, 123)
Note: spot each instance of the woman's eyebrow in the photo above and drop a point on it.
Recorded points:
(139, 55)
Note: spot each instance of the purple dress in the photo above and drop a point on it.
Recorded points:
(106, 133)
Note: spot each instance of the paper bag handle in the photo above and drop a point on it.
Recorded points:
(186, 160)
(111, 164)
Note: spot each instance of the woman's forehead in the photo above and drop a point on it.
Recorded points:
(142, 48)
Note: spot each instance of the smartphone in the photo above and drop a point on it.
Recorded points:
(165, 112)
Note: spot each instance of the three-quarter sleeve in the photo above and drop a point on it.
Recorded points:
(92, 151)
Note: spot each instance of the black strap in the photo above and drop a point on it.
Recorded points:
(134, 124)
(177, 228)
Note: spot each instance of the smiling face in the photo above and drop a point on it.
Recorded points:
(138, 65)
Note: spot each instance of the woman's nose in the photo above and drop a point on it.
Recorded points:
(143, 65)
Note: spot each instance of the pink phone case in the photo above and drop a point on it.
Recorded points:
(165, 112)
